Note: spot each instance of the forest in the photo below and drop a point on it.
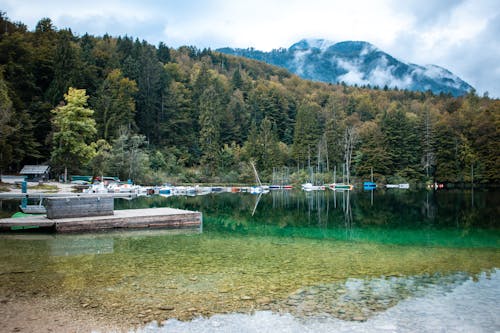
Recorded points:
(118, 106)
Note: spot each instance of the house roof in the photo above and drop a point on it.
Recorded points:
(34, 169)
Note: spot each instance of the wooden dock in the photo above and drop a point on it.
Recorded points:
(166, 218)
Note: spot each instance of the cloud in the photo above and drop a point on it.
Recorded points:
(462, 38)
(426, 13)
(353, 75)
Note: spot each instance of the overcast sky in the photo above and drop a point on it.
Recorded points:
(460, 35)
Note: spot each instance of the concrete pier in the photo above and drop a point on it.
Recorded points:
(167, 218)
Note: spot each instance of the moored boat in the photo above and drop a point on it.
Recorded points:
(340, 187)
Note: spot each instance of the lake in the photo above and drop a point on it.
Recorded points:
(293, 261)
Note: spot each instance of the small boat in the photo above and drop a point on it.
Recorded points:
(435, 186)
(258, 190)
(310, 187)
(23, 227)
(165, 190)
(402, 186)
(280, 187)
(97, 188)
(184, 190)
(340, 187)
(369, 185)
(34, 209)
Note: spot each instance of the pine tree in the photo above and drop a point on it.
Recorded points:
(115, 105)
(6, 129)
(209, 129)
(65, 67)
(149, 94)
(306, 134)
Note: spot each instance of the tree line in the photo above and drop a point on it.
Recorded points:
(123, 107)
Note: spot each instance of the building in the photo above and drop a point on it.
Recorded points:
(36, 173)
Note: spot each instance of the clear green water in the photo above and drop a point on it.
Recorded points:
(298, 253)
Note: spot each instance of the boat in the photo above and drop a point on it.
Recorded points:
(184, 190)
(23, 227)
(165, 190)
(310, 187)
(256, 190)
(435, 186)
(33, 209)
(369, 185)
(402, 186)
(340, 187)
(97, 188)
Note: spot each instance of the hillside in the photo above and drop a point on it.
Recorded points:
(356, 63)
(155, 114)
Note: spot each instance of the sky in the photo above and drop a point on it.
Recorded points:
(462, 36)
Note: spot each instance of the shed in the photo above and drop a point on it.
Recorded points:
(36, 172)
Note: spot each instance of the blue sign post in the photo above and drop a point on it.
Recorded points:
(24, 189)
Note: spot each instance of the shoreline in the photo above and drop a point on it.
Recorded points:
(40, 313)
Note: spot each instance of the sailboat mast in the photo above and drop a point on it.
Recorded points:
(256, 174)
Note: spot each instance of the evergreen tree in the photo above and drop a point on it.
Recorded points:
(115, 105)
(306, 134)
(65, 67)
(177, 122)
(149, 94)
(235, 120)
(372, 155)
(251, 147)
(129, 159)
(448, 168)
(402, 142)
(269, 155)
(209, 129)
(6, 129)
(24, 145)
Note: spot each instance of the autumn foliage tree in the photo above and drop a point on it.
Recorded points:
(74, 132)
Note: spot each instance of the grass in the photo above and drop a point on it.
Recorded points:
(4, 187)
(44, 187)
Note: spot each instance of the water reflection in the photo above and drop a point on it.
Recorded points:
(426, 218)
(319, 253)
(89, 244)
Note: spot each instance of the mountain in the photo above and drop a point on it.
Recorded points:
(356, 62)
